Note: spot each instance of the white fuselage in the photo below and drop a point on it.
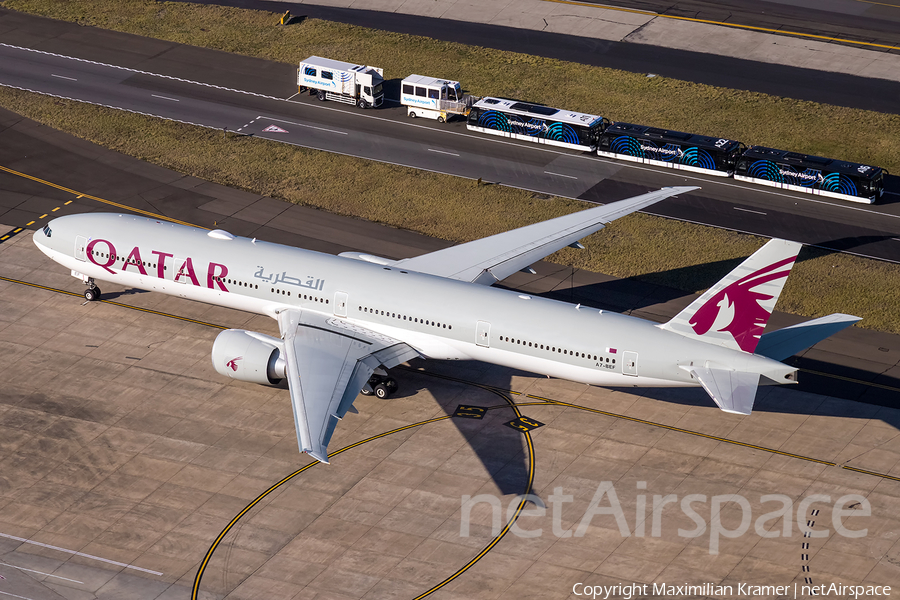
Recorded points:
(440, 318)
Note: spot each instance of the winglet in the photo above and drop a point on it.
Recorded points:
(734, 312)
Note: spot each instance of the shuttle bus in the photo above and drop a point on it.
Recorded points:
(811, 174)
(673, 149)
(536, 123)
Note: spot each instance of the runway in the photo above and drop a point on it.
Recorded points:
(125, 456)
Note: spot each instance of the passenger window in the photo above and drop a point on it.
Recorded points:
(408, 89)
(420, 91)
(327, 75)
(311, 71)
(434, 94)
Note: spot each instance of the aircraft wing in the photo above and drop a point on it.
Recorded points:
(492, 259)
(328, 361)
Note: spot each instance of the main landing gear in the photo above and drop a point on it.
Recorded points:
(92, 292)
(381, 386)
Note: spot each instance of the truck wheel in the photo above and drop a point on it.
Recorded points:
(362, 104)
(412, 115)
(321, 96)
(440, 119)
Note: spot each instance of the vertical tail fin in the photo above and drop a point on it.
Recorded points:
(734, 312)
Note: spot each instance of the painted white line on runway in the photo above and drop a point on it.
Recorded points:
(15, 595)
(301, 125)
(166, 98)
(560, 175)
(41, 572)
(442, 152)
(76, 553)
(63, 77)
(755, 212)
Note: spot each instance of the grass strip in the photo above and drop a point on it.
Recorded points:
(680, 255)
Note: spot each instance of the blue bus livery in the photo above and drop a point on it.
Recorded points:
(536, 123)
(673, 149)
(811, 174)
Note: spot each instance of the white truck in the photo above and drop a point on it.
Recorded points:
(434, 98)
(340, 81)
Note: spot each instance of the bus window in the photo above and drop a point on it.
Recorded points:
(434, 94)
(420, 92)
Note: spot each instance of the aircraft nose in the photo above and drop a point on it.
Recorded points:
(42, 236)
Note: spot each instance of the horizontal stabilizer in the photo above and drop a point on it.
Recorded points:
(786, 342)
(732, 391)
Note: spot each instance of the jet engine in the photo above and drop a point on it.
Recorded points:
(249, 356)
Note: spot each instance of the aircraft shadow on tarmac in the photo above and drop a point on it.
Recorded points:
(502, 450)
(124, 293)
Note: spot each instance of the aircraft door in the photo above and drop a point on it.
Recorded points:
(80, 245)
(483, 334)
(340, 304)
(629, 363)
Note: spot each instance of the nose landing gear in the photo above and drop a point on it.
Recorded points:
(92, 292)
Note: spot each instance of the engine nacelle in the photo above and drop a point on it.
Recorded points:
(249, 356)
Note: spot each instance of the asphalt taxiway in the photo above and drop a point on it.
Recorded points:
(130, 469)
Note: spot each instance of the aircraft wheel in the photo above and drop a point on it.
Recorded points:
(365, 392)
(382, 391)
(391, 384)
(92, 294)
(321, 96)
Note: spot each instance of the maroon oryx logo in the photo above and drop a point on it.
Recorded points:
(737, 308)
(232, 364)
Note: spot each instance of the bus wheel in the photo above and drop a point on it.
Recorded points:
(440, 119)
(412, 115)
(321, 96)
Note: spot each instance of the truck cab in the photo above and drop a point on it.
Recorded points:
(370, 89)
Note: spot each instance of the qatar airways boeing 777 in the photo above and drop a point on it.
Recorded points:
(345, 319)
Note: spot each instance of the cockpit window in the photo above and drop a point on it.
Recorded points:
(47, 231)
